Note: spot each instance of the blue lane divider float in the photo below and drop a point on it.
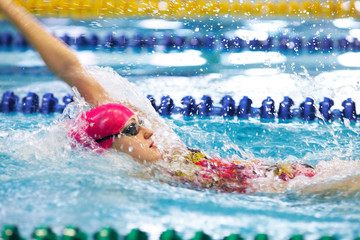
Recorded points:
(31, 103)
(306, 111)
(169, 41)
(286, 111)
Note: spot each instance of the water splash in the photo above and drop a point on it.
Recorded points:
(126, 93)
(46, 176)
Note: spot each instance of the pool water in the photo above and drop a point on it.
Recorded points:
(45, 181)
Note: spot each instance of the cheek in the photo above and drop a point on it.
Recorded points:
(133, 145)
(137, 149)
(122, 145)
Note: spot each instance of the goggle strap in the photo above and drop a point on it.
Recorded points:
(128, 134)
(105, 138)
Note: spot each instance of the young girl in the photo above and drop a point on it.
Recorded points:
(111, 124)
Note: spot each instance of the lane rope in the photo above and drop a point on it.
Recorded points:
(11, 232)
(173, 42)
(307, 110)
(177, 9)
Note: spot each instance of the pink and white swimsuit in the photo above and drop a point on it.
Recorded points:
(237, 176)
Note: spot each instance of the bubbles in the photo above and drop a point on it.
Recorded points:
(42, 175)
(44, 171)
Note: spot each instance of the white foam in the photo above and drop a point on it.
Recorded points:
(127, 93)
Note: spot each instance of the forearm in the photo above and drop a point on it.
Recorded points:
(57, 56)
(346, 186)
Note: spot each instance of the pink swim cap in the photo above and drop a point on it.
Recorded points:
(104, 121)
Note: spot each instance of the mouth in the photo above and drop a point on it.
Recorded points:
(152, 145)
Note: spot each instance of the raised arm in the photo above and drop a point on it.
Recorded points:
(57, 56)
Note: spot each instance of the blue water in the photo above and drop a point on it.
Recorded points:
(44, 181)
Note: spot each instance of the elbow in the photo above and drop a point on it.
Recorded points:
(70, 71)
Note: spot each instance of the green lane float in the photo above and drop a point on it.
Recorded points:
(11, 232)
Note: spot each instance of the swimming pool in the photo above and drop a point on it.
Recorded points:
(44, 181)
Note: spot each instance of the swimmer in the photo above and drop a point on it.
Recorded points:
(113, 125)
(63, 63)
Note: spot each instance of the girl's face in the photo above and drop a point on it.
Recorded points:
(135, 140)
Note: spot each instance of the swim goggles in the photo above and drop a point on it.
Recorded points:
(131, 130)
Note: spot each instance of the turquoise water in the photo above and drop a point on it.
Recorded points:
(44, 181)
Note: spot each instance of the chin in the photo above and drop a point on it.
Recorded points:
(153, 159)
(147, 159)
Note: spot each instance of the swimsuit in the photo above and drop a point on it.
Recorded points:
(236, 176)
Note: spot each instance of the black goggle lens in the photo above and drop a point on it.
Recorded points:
(131, 130)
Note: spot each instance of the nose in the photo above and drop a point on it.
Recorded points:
(147, 132)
